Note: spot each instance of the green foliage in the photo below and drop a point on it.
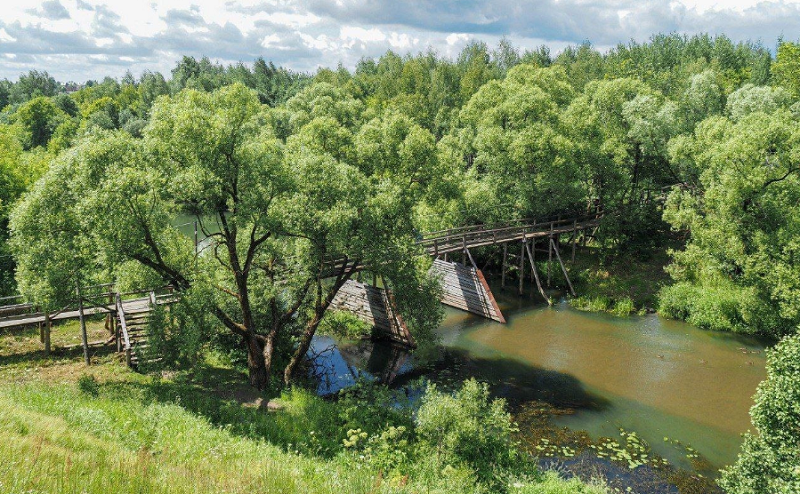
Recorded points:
(38, 119)
(786, 68)
(551, 483)
(344, 325)
(738, 271)
(88, 384)
(469, 428)
(770, 458)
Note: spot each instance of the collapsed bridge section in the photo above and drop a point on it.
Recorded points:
(465, 288)
(374, 306)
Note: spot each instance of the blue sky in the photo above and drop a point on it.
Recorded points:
(88, 39)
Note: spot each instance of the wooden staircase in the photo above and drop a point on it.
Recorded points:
(132, 331)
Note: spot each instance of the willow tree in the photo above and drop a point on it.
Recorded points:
(275, 214)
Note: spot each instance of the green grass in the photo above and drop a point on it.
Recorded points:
(553, 484)
(68, 428)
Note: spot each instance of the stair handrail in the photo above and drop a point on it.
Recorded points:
(126, 341)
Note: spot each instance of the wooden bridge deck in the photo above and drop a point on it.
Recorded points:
(132, 306)
(458, 239)
(465, 288)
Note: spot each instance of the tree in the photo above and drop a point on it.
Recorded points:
(513, 140)
(34, 84)
(275, 214)
(769, 462)
(739, 270)
(38, 119)
(749, 99)
(786, 67)
(12, 184)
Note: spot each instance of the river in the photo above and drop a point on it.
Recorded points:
(658, 377)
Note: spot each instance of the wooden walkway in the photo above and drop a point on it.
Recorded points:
(469, 237)
(31, 319)
(128, 318)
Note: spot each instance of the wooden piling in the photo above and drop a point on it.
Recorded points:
(549, 254)
(531, 256)
(84, 338)
(563, 268)
(522, 265)
(574, 238)
(503, 275)
(47, 326)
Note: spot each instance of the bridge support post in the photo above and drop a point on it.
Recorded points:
(522, 265)
(46, 328)
(84, 337)
(549, 255)
(563, 268)
(574, 238)
(503, 272)
(532, 257)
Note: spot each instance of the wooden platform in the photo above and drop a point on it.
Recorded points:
(373, 306)
(465, 288)
(20, 320)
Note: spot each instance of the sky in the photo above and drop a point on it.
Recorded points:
(77, 40)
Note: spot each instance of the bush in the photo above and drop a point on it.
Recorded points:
(88, 385)
(468, 428)
(770, 460)
(344, 325)
(553, 484)
(722, 308)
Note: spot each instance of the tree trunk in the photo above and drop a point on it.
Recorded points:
(256, 365)
(302, 349)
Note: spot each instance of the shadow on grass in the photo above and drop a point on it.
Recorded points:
(223, 398)
(57, 355)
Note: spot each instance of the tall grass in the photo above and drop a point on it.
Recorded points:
(143, 436)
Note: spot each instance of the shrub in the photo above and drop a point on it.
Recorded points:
(468, 428)
(770, 460)
(344, 325)
(553, 484)
(88, 385)
(722, 307)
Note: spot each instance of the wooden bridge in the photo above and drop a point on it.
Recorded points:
(463, 285)
(127, 315)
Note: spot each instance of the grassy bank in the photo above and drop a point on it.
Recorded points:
(618, 285)
(68, 428)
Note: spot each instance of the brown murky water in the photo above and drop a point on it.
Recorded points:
(660, 378)
(663, 379)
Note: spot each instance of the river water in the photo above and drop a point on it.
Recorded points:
(658, 377)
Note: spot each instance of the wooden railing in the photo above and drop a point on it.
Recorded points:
(458, 239)
(125, 340)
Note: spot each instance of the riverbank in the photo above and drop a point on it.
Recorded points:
(619, 285)
(71, 428)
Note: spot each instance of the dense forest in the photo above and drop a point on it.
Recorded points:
(691, 142)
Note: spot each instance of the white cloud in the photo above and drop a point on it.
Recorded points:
(456, 38)
(79, 39)
(4, 36)
(361, 34)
